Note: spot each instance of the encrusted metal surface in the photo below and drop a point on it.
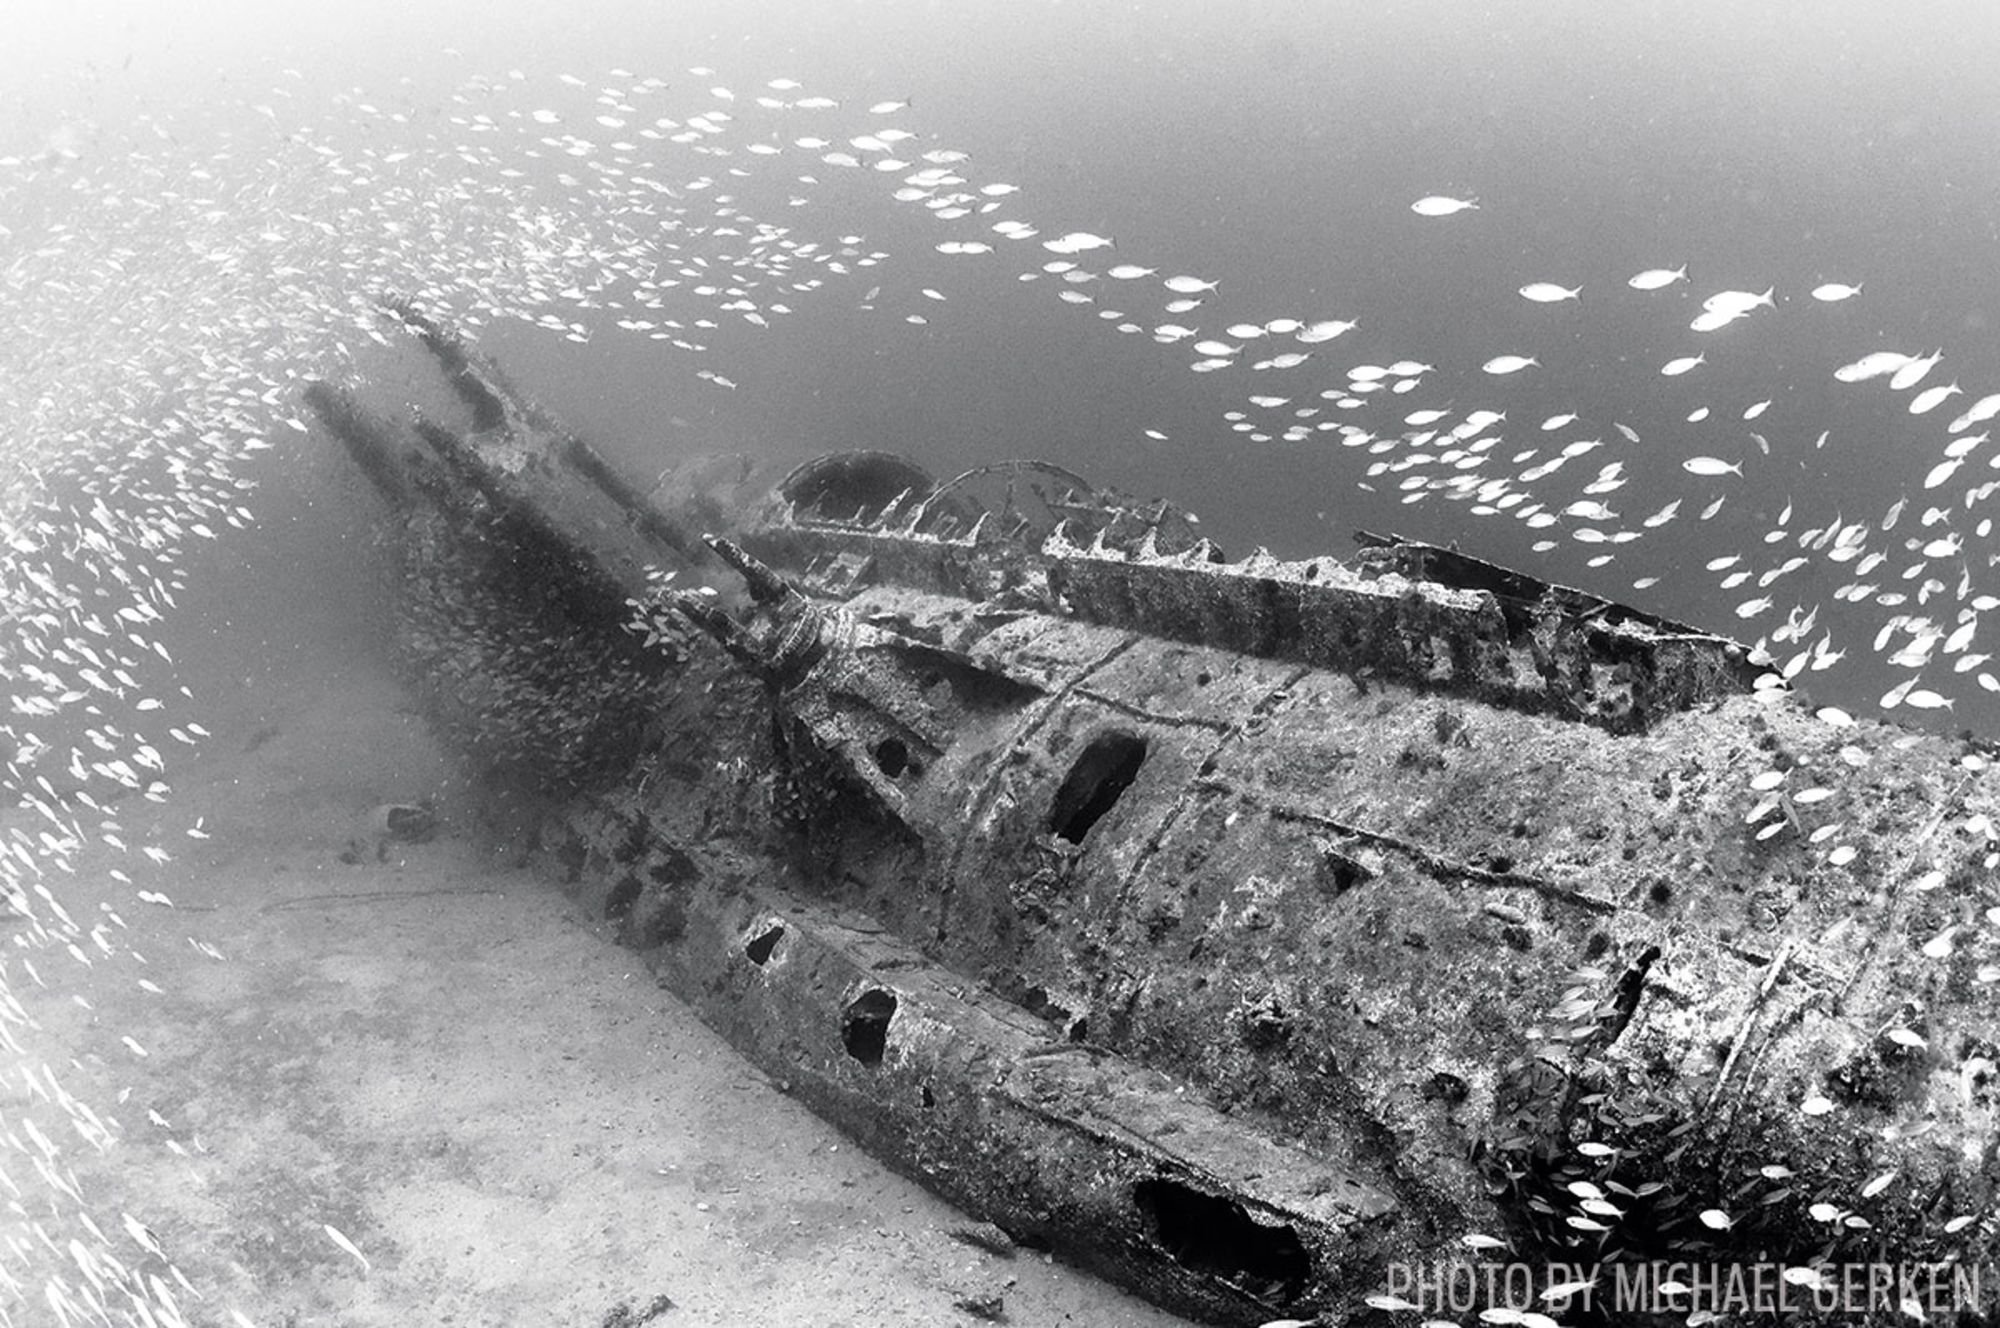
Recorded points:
(1238, 929)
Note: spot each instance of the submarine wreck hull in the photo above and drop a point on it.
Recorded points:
(1245, 931)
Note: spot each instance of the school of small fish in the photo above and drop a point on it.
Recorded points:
(161, 302)
(163, 305)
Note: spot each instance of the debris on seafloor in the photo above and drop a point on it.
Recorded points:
(984, 1236)
(990, 1306)
(1250, 932)
(389, 823)
(625, 1314)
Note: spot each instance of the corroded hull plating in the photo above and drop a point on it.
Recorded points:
(1241, 930)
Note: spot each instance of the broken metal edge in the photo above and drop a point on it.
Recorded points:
(1110, 1166)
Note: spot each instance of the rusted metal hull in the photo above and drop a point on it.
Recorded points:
(1241, 930)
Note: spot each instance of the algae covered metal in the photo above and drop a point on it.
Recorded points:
(1268, 935)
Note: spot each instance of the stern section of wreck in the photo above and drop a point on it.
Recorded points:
(1251, 932)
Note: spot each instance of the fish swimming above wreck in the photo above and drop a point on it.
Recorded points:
(1250, 931)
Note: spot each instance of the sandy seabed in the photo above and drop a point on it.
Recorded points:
(441, 1058)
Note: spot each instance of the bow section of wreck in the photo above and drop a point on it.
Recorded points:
(1246, 931)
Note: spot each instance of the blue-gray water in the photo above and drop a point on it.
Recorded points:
(198, 202)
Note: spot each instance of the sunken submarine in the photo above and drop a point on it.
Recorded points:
(1249, 932)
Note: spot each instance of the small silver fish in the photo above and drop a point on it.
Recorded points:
(1931, 397)
(1873, 365)
(1711, 466)
(1654, 278)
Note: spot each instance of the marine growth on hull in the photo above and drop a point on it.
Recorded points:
(1259, 933)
